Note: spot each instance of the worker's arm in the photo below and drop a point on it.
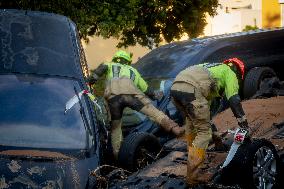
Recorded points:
(231, 92)
(141, 83)
(145, 88)
(98, 72)
(237, 109)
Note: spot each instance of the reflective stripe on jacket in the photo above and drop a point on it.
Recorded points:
(116, 70)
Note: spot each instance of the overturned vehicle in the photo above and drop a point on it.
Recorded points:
(254, 162)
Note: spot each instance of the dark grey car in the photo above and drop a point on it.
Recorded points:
(41, 68)
(261, 50)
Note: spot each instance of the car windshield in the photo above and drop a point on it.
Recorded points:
(32, 113)
(31, 42)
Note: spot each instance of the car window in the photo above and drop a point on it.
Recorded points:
(32, 113)
(168, 60)
(36, 43)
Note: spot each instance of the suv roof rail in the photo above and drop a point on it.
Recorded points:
(236, 34)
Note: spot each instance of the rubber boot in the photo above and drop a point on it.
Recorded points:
(196, 158)
(171, 126)
(116, 136)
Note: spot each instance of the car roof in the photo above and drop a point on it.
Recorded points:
(36, 42)
(255, 48)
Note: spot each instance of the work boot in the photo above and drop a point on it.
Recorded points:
(171, 126)
(196, 158)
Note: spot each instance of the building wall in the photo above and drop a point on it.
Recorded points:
(251, 17)
(233, 16)
(271, 13)
(99, 50)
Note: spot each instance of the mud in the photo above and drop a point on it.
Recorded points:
(75, 175)
(174, 163)
(261, 115)
(36, 170)
(14, 166)
(3, 183)
(35, 153)
(25, 180)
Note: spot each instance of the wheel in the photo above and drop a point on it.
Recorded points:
(138, 150)
(256, 165)
(253, 79)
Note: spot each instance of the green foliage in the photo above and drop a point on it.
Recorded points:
(131, 21)
(248, 28)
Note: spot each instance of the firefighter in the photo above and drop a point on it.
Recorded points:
(125, 88)
(192, 91)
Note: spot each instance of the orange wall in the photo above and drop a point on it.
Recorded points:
(271, 14)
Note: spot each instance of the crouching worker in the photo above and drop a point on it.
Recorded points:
(125, 88)
(192, 91)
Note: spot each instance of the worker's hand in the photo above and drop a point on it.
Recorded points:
(158, 95)
(178, 131)
(243, 124)
(91, 80)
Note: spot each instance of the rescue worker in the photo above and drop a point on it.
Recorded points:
(125, 88)
(192, 91)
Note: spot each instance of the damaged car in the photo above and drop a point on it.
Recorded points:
(42, 65)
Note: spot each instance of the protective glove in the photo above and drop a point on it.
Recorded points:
(154, 94)
(243, 123)
(91, 80)
(178, 131)
(158, 95)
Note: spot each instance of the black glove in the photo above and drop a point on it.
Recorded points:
(91, 80)
(154, 95)
(243, 123)
(237, 109)
(158, 95)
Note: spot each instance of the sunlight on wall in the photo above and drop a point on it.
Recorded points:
(99, 50)
(271, 14)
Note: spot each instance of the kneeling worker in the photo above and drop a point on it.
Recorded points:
(125, 88)
(192, 91)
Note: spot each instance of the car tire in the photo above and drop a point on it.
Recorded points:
(256, 165)
(138, 150)
(253, 79)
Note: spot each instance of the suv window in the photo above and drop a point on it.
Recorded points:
(32, 113)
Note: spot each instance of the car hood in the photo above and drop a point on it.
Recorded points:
(43, 169)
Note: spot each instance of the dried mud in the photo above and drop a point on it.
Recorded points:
(34, 153)
(261, 115)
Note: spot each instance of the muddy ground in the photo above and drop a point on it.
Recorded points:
(262, 114)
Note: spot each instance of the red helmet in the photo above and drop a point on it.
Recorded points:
(238, 63)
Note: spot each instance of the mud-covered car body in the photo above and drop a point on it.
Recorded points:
(41, 68)
(258, 161)
(255, 48)
(260, 48)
